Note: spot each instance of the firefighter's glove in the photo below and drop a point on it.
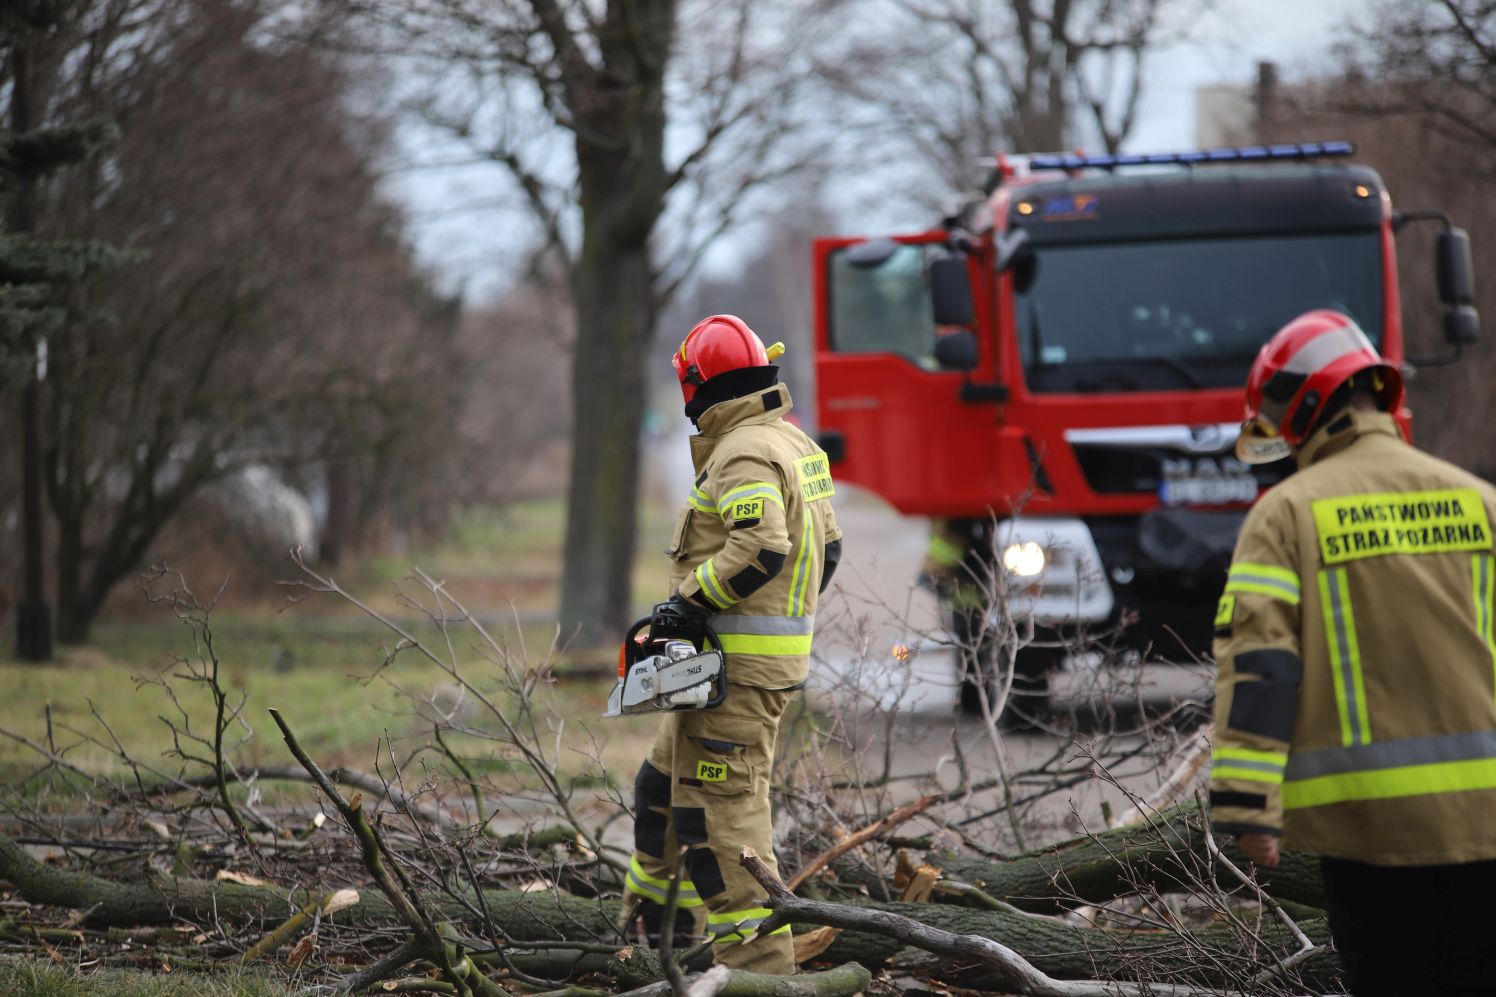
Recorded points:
(678, 620)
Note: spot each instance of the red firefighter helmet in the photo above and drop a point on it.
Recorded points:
(716, 345)
(1297, 372)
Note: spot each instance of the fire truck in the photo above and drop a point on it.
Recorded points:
(1057, 370)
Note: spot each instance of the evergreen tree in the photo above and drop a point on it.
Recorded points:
(36, 273)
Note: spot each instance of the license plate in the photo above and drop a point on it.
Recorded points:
(1224, 489)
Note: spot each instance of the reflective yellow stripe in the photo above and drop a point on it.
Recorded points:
(801, 576)
(1345, 657)
(945, 553)
(654, 888)
(1482, 566)
(1383, 784)
(1278, 758)
(1272, 571)
(1263, 579)
(763, 488)
(736, 924)
(1373, 525)
(706, 577)
(786, 645)
(1249, 775)
(701, 500)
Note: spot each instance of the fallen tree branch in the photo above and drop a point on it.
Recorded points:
(860, 837)
(1013, 971)
(460, 971)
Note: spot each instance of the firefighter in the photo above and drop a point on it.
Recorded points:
(754, 546)
(1355, 711)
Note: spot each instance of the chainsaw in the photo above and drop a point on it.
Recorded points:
(661, 672)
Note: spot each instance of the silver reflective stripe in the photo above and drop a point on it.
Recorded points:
(1391, 754)
(1272, 583)
(1323, 350)
(1348, 665)
(1241, 763)
(765, 626)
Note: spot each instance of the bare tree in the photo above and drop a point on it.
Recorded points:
(1436, 58)
(633, 133)
(950, 82)
(273, 316)
(1416, 93)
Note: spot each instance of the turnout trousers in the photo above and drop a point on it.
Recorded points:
(1407, 930)
(705, 787)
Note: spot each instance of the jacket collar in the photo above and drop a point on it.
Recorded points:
(723, 417)
(749, 410)
(1338, 435)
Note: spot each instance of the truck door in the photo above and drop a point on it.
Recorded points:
(897, 415)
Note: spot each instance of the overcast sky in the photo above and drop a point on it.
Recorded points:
(471, 241)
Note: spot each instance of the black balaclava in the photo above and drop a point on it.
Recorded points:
(728, 385)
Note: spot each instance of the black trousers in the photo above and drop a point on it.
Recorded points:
(1409, 931)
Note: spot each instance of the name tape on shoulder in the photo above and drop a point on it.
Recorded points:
(1352, 527)
(815, 477)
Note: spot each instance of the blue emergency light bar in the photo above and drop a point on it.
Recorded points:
(1233, 154)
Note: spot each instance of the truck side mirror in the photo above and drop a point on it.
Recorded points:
(1015, 253)
(1461, 325)
(956, 350)
(950, 291)
(1453, 267)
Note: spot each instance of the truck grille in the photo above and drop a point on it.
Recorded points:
(1112, 470)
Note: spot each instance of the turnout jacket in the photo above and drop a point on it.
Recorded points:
(1356, 700)
(756, 541)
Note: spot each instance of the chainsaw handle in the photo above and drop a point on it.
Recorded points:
(720, 695)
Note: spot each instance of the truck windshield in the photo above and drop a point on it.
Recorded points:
(1185, 313)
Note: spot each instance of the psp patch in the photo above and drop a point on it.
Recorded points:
(711, 772)
(1225, 611)
(751, 508)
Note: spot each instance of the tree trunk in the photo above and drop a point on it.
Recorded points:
(72, 619)
(613, 325)
(620, 148)
(1091, 870)
(33, 618)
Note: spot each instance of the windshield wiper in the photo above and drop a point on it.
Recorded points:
(1173, 363)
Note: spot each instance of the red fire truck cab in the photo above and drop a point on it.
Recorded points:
(1059, 369)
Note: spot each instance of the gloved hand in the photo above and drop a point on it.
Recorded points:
(678, 619)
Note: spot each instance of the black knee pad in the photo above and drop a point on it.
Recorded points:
(651, 796)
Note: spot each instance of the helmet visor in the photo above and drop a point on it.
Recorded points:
(1259, 442)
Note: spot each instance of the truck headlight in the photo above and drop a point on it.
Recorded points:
(1024, 559)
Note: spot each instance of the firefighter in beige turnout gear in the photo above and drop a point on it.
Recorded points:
(1356, 699)
(754, 546)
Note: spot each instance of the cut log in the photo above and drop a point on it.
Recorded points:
(1070, 952)
(1099, 868)
(163, 900)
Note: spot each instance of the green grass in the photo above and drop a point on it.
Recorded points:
(313, 661)
(510, 556)
(39, 979)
